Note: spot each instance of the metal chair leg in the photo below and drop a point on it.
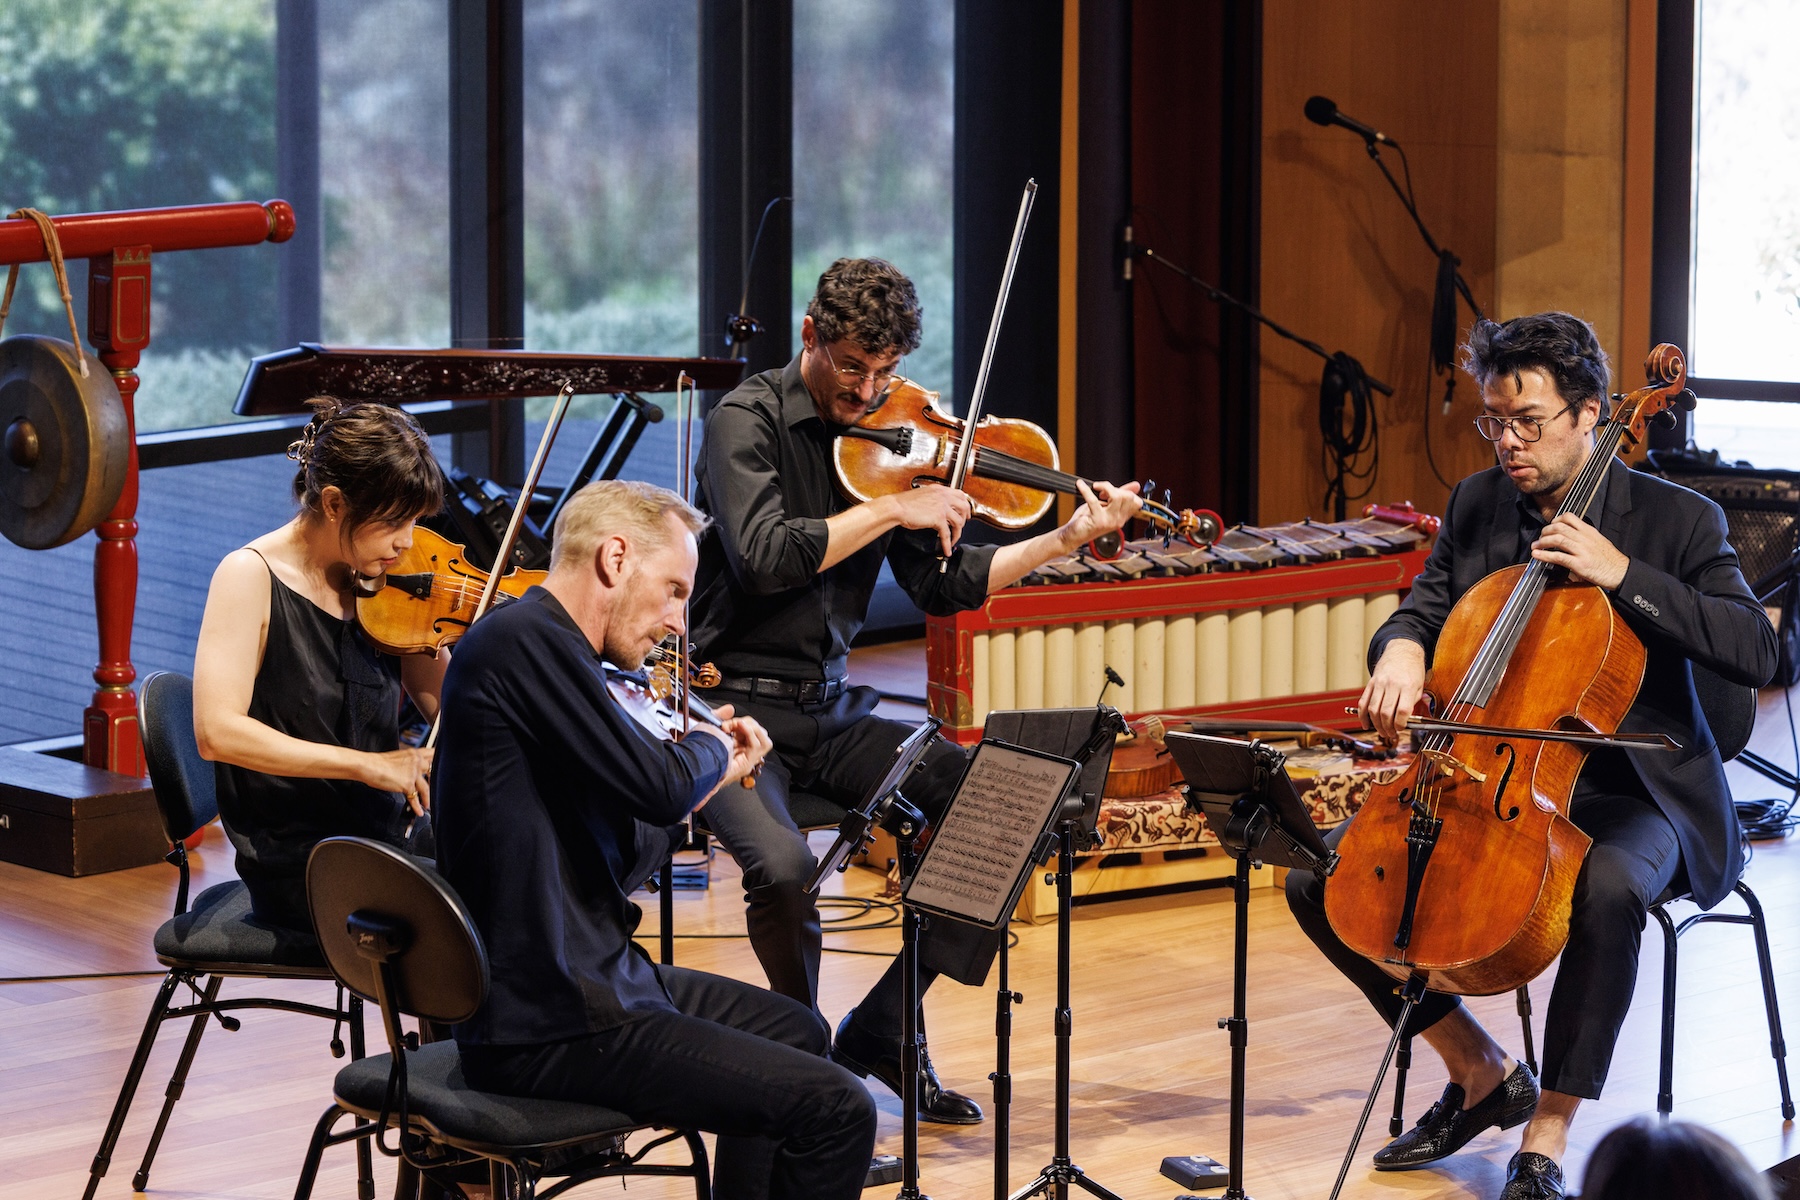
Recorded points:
(1524, 1004)
(315, 1149)
(702, 1170)
(365, 1166)
(133, 1074)
(1777, 1045)
(1665, 1088)
(1402, 1064)
(177, 1083)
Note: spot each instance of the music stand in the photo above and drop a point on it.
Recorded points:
(989, 839)
(859, 824)
(1244, 792)
(886, 808)
(1087, 736)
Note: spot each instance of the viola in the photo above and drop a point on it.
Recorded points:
(1460, 871)
(909, 441)
(656, 701)
(427, 599)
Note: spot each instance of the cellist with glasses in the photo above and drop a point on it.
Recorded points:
(1660, 554)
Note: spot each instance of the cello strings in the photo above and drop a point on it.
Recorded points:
(1496, 649)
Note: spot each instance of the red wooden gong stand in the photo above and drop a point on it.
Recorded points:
(118, 247)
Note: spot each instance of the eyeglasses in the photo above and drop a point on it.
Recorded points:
(884, 381)
(1526, 429)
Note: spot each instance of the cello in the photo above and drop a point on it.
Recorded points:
(1458, 875)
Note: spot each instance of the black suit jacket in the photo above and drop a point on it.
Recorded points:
(1683, 595)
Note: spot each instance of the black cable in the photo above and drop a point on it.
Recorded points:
(1344, 394)
(90, 975)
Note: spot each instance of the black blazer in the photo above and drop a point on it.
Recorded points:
(1683, 595)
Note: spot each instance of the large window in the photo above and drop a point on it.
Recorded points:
(115, 104)
(874, 122)
(611, 187)
(384, 171)
(1746, 270)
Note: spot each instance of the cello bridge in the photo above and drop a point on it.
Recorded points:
(1452, 765)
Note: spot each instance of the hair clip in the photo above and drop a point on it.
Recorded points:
(300, 449)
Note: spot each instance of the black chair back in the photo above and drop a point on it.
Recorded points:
(186, 791)
(393, 931)
(1730, 710)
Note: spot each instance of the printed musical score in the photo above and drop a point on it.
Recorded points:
(985, 843)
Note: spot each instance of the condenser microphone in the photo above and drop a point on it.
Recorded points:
(1321, 111)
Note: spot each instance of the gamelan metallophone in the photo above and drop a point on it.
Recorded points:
(1272, 621)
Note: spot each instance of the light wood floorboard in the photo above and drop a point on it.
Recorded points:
(1151, 1070)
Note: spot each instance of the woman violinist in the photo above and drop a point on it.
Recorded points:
(1660, 554)
(297, 708)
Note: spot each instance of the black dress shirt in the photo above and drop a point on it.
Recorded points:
(761, 605)
(1683, 595)
(543, 787)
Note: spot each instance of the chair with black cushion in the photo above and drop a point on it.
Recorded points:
(394, 932)
(212, 941)
(1730, 710)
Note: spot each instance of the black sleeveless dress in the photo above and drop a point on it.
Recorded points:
(320, 681)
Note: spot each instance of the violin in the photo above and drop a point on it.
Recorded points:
(656, 701)
(427, 599)
(909, 441)
(1459, 873)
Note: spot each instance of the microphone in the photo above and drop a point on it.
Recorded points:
(1321, 111)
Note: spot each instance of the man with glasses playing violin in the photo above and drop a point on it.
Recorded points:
(1656, 820)
(787, 570)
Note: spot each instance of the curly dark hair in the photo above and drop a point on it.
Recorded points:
(1562, 346)
(375, 454)
(868, 301)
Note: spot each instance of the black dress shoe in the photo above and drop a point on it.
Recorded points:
(1532, 1177)
(1447, 1126)
(864, 1055)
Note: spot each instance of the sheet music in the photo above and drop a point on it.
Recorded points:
(985, 843)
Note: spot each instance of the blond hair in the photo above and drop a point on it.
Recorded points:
(638, 510)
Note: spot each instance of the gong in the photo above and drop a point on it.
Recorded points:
(64, 443)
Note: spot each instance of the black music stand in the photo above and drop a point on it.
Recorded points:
(1085, 735)
(886, 808)
(990, 838)
(1244, 792)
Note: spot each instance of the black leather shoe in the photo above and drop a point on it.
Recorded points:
(864, 1055)
(1532, 1177)
(1447, 1126)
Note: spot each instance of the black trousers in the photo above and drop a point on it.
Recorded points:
(839, 751)
(1634, 857)
(736, 1060)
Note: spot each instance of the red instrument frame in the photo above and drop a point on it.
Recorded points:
(949, 641)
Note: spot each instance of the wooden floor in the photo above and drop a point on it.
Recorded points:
(1151, 1069)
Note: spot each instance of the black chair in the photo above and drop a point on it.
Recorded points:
(1731, 712)
(214, 940)
(394, 932)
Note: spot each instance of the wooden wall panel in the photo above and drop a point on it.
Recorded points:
(1558, 240)
(1341, 260)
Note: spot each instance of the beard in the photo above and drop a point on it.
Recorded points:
(628, 636)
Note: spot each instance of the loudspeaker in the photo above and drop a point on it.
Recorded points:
(1762, 516)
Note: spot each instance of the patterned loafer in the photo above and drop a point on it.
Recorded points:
(1532, 1177)
(1447, 1126)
